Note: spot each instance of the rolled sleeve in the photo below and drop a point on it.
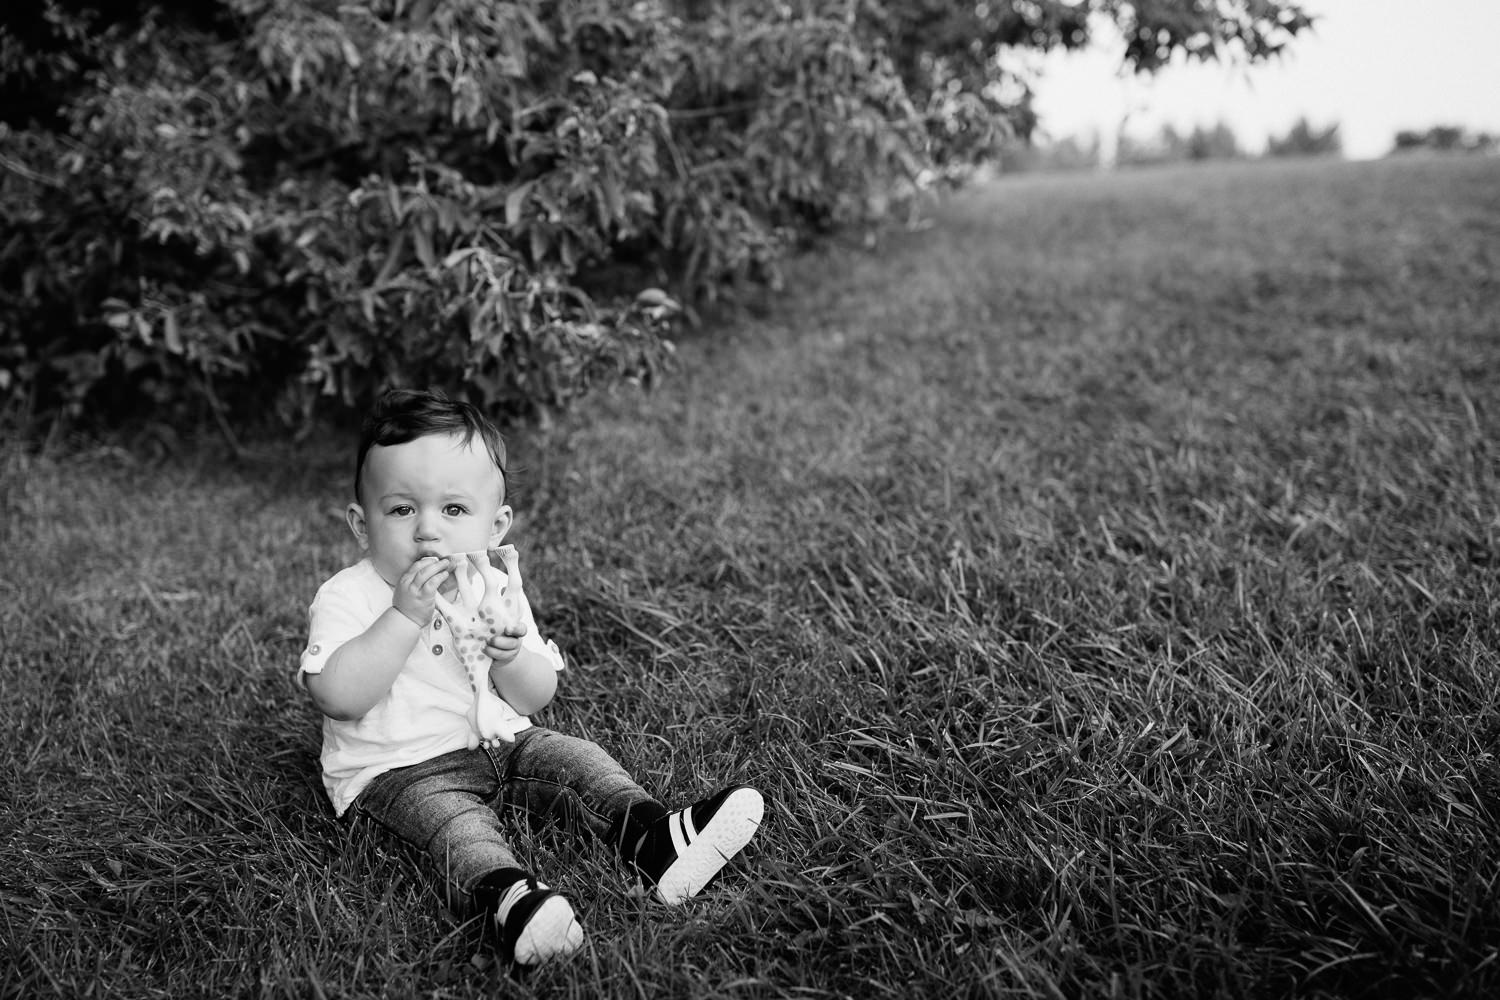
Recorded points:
(534, 640)
(337, 614)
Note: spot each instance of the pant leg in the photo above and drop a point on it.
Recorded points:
(448, 807)
(445, 807)
(575, 783)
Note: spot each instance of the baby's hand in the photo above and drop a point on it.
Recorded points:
(416, 591)
(503, 645)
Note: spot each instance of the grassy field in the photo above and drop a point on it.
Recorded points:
(1101, 583)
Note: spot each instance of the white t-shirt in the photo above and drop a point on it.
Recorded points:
(426, 711)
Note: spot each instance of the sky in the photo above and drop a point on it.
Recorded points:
(1373, 67)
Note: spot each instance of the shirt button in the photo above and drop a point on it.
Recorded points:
(437, 622)
(437, 650)
(314, 649)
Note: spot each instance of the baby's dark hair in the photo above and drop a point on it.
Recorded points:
(402, 415)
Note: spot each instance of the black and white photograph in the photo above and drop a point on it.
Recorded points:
(749, 500)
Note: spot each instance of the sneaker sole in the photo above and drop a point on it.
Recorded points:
(553, 932)
(726, 835)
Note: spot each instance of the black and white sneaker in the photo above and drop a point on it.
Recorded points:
(684, 850)
(536, 924)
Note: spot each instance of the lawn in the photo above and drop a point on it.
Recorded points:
(1100, 582)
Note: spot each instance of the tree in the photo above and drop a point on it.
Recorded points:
(1171, 146)
(1068, 153)
(953, 56)
(1444, 139)
(1217, 143)
(1304, 140)
(250, 206)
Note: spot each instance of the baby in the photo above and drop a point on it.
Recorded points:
(399, 740)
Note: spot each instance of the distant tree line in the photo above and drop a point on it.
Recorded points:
(1445, 139)
(1215, 142)
(1305, 140)
(1168, 145)
(1219, 142)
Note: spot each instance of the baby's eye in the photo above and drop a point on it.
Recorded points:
(455, 510)
(401, 510)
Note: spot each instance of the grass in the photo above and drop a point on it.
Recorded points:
(1101, 583)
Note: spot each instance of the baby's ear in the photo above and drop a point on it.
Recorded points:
(354, 514)
(503, 519)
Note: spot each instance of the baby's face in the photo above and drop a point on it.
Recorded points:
(433, 496)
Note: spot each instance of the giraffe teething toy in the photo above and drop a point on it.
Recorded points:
(487, 603)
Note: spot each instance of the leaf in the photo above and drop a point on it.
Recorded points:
(611, 191)
(422, 241)
(515, 202)
(462, 253)
(173, 333)
(541, 242)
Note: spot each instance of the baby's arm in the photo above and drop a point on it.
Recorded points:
(521, 651)
(362, 670)
(524, 657)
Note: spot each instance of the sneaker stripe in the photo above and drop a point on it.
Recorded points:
(517, 892)
(679, 824)
(724, 834)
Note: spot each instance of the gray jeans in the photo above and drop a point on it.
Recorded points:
(449, 807)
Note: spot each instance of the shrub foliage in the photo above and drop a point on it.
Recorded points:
(256, 206)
